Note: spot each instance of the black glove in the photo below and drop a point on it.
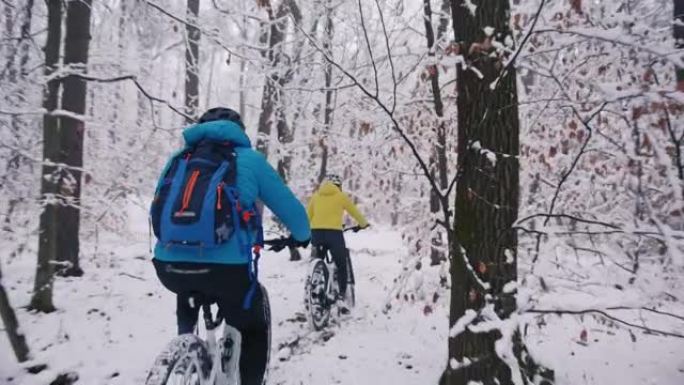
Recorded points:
(277, 244)
(302, 244)
(356, 229)
(281, 243)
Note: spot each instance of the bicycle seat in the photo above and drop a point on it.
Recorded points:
(200, 299)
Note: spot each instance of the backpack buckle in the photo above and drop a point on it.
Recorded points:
(247, 215)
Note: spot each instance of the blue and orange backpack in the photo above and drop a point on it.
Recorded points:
(196, 204)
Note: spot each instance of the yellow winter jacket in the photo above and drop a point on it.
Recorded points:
(327, 206)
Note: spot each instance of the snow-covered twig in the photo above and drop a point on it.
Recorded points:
(606, 315)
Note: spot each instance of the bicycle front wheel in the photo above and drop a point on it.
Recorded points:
(184, 361)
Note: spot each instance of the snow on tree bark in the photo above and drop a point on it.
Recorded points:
(484, 258)
(438, 159)
(76, 46)
(192, 38)
(48, 246)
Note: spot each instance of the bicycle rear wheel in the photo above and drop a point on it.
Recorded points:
(351, 295)
(184, 361)
(318, 304)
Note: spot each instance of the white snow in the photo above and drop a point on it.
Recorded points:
(463, 322)
(114, 321)
(471, 7)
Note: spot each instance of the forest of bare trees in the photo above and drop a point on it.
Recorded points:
(527, 153)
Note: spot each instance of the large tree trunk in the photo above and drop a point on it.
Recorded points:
(51, 175)
(76, 45)
(438, 159)
(192, 37)
(9, 319)
(484, 258)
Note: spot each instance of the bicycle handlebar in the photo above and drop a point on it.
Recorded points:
(278, 244)
(355, 229)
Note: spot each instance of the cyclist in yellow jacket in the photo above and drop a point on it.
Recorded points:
(326, 209)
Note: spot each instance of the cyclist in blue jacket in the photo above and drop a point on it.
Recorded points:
(223, 273)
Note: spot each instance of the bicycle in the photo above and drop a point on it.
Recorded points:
(190, 360)
(322, 287)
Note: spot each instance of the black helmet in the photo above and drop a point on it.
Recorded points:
(221, 113)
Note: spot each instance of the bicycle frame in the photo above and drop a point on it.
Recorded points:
(222, 373)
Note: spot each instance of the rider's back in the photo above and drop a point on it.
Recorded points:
(327, 206)
(256, 180)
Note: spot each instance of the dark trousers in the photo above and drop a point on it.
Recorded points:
(333, 241)
(227, 285)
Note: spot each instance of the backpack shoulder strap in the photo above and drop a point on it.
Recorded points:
(170, 163)
(231, 174)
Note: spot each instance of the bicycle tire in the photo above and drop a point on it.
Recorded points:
(269, 323)
(351, 295)
(186, 356)
(318, 304)
(351, 292)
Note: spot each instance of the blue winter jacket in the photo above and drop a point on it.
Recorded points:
(256, 180)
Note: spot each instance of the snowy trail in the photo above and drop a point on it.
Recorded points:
(111, 324)
(367, 348)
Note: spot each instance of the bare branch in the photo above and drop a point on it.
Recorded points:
(395, 124)
(597, 35)
(567, 216)
(212, 36)
(137, 84)
(575, 161)
(606, 315)
(522, 44)
(389, 57)
(370, 50)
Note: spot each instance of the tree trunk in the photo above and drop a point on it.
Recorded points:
(438, 159)
(272, 108)
(22, 46)
(192, 37)
(19, 122)
(271, 97)
(51, 175)
(25, 38)
(243, 71)
(484, 258)
(329, 93)
(76, 45)
(679, 38)
(10, 67)
(14, 333)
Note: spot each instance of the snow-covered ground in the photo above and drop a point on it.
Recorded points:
(111, 324)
